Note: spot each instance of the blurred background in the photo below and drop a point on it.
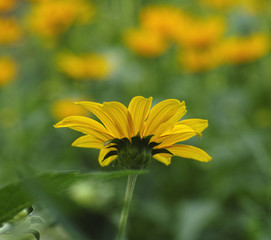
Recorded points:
(213, 54)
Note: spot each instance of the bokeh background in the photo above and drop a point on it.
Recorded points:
(213, 54)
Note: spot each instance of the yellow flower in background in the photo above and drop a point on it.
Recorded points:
(201, 33)
(145, 43)
(7, 5)
(53, 17)
(166, 20)
(10, 31)
(238, 50)
(8, 70)
(85, 66)
(133, 135)
(65, 107)
(194, 60)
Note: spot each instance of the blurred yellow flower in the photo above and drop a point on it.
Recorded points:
(238, 50)
(201, 33)
(7, 5)
(8, 70)
(66, 107)
(53, 17)
(133, 135)
(166, 20)
(85, 66)
(145, 43)
(10, 31)
(194, 60)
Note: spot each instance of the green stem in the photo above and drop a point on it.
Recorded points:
(126, 206)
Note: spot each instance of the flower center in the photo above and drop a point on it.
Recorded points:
(134, 153)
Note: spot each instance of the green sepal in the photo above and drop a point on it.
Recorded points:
(111, 153)
(162, 150)
(153, 144)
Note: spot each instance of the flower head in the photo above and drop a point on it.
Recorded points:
(85, 66)
(201, 33)
(65, 13)
(6, 6)
(8, 70)
(239, 50)
(145, 43)
(133, 136)
(166, 20)
(10, 31)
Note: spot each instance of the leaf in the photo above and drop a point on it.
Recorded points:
(17, 196)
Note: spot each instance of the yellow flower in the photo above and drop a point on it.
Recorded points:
(238, 50)
(10, 30)
(201, 33)
(199, 60)
(86, 66)
(133, 135)
(166, 20)
(7, 5)
(53, 17)
(65, 107)
(8, 71)
(145, 43)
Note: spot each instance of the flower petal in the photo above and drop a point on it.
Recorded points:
(197, 124)
(121, 117)
(191, 152)
(85, 125)
(88, 141)
(163, 158)
(180, 133)
(107, 161)
(98, 110)
(161, 114)
(167, 126)
(139, 108)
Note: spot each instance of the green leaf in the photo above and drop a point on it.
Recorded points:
(17, 196)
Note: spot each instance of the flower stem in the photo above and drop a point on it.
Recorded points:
(126, 206)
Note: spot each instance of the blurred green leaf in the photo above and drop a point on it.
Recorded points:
(17, 196)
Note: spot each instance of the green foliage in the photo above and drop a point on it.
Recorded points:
(18, 196)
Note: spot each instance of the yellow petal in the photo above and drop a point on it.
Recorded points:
(85, 125)
(139, 108)
(191, 152)
(161, 114)
(164, 158)
(197, 124)
(107, 161)
(167, 126)
(98, 110)
(121, 117)
(180, 133)
(88, 141)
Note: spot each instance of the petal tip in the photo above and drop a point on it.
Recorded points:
(57, 125)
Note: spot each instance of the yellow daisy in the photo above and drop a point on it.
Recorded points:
(133, 136)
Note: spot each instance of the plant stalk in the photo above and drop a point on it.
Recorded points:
(126, 206)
